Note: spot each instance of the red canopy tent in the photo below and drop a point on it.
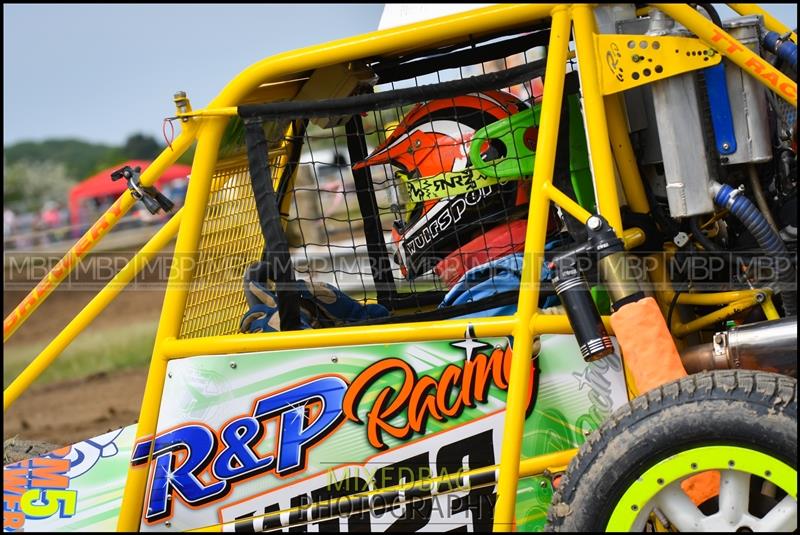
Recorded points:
(101, 185)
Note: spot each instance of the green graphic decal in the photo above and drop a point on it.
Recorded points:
(363, 421)
(76, 488)
(447, 184)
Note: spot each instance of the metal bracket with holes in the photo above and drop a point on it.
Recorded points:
(628, 61)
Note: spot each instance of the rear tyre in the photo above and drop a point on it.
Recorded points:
(741, 424)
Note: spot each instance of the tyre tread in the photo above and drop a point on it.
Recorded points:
(776, 392)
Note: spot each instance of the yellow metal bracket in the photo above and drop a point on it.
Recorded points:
(627, 61)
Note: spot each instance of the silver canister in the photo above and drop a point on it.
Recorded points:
(748, 98)
(682, 136)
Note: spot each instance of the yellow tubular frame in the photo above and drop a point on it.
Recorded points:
(98, 303)
(610, 152)
(405, 38)
(770, 22)
(516, 401)
(92, 237)
(722, 41)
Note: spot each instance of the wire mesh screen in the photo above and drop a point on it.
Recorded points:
(230, 240)
(326, 228)
(427, 240)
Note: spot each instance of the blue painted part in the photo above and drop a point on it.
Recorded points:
(786, 50)
(720, 104)
(768, 240)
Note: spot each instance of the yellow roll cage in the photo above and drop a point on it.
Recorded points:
(609, 147)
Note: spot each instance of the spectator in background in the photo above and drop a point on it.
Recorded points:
(8, 221)
(51, 219)
(177, 190)
(8, 225)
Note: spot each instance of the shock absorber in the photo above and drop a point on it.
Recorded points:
(649, 352)
(613, 263)
(573, 290)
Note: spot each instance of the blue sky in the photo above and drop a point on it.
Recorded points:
(102, 72)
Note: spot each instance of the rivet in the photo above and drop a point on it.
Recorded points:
(660, 481)
(726, 146)
(169, 374)
(334, 359)
(543, 484)
(233, 365)
(167, 524)
(634, 507)
(694, 466)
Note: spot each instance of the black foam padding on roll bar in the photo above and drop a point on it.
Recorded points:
(391, 99)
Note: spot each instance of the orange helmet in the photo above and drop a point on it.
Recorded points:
(434, 138)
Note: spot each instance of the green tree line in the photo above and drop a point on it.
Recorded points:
(35, 172)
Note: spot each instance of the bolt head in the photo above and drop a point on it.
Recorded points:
(594, 223)
(726, 146)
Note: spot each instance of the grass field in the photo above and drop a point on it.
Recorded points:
(90, 353)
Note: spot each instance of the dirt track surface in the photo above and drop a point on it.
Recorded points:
(61, 306)
(71, 411)
(141, 299)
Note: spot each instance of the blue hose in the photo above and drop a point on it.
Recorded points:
(769, 241)
(786, 50)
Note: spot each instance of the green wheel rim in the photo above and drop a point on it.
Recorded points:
(694, 461)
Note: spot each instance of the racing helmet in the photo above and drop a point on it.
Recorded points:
(450, 207)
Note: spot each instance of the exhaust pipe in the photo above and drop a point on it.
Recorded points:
(766, 345)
